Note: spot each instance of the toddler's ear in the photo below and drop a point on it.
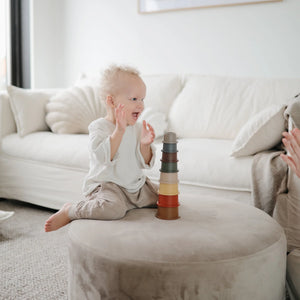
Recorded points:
(110, 101)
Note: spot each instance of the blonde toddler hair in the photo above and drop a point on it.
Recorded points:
(111, 76)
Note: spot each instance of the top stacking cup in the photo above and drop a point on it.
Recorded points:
(170, 138)
(170, 142)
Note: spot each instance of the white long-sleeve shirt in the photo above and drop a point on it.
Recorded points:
(126, 167)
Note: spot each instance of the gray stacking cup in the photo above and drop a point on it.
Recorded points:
(170, 138)
(170, 142)
(169, 148)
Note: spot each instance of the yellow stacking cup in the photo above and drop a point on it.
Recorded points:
(168, 189)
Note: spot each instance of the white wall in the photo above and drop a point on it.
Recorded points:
(47, 45)
(247, 40)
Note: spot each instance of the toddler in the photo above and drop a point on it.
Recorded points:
(119, 149)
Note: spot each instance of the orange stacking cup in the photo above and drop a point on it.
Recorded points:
(168, 201)
(168, 189)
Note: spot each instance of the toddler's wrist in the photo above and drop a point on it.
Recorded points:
(119, 129)
(146, 146)
(118, 132)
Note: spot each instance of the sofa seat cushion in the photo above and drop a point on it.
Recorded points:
(207, 163)
(202, 162)
(70, 150)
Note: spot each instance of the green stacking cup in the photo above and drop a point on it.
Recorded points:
(170, 148)
(169, 167)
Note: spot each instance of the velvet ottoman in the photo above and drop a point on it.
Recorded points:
(218, 249)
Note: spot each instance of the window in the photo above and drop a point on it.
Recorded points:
(3, 43)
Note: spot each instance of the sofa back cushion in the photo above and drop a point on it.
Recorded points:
(162, 91)
(217, 107)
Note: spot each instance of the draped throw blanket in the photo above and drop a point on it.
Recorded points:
(269, 179)
(275, 188)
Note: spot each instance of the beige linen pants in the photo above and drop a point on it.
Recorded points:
(109, 201)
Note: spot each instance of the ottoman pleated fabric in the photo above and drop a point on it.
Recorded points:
(217, 249)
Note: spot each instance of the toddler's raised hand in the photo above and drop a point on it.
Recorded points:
(120, 118)
(148, 134)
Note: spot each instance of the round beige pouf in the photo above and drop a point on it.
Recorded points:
(218, 249)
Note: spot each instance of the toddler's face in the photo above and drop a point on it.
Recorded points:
(131, 94)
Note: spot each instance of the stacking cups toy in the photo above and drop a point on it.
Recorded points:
(170, 137)
(167, 213)
(168, 178)
(168, 187)
(168, 167)
(168, 200)
(169, 148)
(169, 157)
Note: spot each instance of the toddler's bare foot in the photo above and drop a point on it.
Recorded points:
(59, 219)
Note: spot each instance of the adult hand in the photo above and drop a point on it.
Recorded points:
(292, 143)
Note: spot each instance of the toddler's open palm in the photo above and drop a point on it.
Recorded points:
(121, 122)
(148, 134)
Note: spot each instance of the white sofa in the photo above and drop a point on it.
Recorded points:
(206, 112)
(211, 115)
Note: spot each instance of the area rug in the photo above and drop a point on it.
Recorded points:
(34, 264)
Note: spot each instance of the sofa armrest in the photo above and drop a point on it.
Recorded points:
(7, 121)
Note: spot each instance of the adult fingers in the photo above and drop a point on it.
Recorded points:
(296, 146)
(289, 161)
(287, 135)
(294, 150)
(296, 134)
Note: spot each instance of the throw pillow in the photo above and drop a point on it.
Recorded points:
(28, 107)
(72, 110)
(292, 112)
(156, 119)
(262, 132)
